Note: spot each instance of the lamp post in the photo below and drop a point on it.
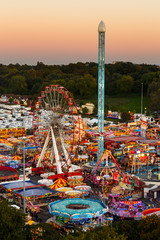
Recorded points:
(142, 99)
(24, 195)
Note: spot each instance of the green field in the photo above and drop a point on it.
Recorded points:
(129, 103)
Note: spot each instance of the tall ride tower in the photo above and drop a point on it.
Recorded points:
(101, 87)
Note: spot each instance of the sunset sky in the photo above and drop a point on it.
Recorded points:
(65, 31)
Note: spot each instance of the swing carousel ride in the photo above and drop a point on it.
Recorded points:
(56, 126)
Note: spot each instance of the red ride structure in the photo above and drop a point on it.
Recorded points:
(106, 152)
(55, 121)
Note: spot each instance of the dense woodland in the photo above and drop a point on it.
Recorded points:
(121, 79)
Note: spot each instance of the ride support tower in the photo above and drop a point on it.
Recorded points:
(101, 87)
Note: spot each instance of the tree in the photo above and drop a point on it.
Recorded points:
(18, 85)
(31, 77)
(11, 100)
(12, 223)
(154, 93)
(149, 228)
(95, 110)
(147, 78)
(85, 110)
(12, 226)
(111, 83)
(42, 231)
(100, 233)
(36, 86)
(93, 69)
(87, 86)
(129, 228)
(155, 100)
(125, 84)
(12, 72)
(70, 85)
(125, 116)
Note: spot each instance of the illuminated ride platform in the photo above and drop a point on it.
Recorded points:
(78, 208)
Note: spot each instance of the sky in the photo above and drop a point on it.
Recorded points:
(66, 31)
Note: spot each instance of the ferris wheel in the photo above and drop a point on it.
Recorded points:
(55, 121)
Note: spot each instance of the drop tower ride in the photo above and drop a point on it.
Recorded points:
(101, 87)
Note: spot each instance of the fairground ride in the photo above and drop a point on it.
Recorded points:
(105, 156)
(113, 178)
(103, 165)
(55, 121)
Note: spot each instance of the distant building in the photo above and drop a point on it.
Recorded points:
(89, 106)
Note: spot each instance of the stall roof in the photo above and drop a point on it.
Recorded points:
(150, 186)
(149, 141)
(124, 139)
(155, 189)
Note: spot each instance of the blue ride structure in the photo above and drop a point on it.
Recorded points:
(101, 87)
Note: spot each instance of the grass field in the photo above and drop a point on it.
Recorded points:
(129, 103)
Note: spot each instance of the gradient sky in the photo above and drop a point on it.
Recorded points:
(64, 31)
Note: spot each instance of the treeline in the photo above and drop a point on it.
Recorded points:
(121, 79)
